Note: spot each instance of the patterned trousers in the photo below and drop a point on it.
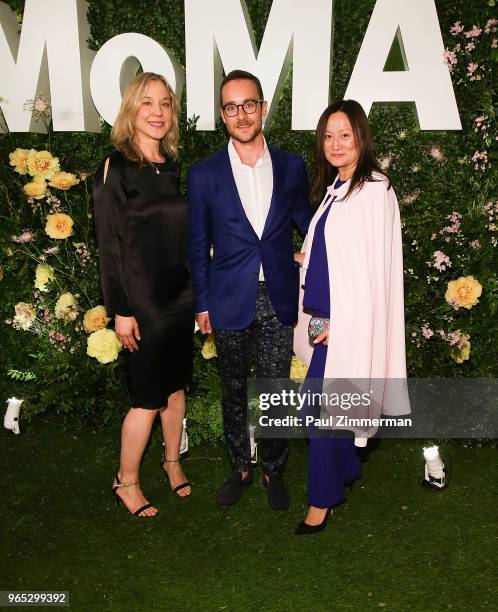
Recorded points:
(268, 344)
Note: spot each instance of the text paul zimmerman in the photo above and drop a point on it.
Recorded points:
(340, 420)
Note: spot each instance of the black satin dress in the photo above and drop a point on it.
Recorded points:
(141, 223)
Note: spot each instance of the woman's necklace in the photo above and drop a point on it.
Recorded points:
(154, 167)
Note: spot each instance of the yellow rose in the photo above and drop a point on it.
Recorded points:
(298, 369)
(66, 307)
(42, 163)
(25, 315)
(463, 292)
(461, 352)
(63, 180)
(19, 159)
(95, 319)
(36, 189)
(59, 226)
(209, 348)
(103, 345)
(43, 275)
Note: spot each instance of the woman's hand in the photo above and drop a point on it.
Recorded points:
(322, 338)
(127, 331)
(299, 258)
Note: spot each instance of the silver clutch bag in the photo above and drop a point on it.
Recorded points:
(317, 326)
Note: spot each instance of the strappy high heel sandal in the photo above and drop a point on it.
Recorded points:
(120, 484)
(181, 486)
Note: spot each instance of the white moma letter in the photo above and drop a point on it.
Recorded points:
(218, 34)
(118, 61)
(51, 57)
(425, 81)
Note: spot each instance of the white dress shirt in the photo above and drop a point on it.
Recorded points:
(255, 187)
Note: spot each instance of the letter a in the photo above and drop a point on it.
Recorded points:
(425, 80)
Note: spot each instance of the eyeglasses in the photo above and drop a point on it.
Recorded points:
(249, 107)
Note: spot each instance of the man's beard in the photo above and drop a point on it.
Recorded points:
(248, 136)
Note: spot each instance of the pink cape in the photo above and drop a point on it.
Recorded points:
(365, 263)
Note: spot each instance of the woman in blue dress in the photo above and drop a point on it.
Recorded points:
(353, 291)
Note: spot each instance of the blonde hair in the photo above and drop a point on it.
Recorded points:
(123, 131)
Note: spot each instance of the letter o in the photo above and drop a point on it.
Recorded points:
(117, 62)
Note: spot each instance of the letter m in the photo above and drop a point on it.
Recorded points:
(219, 35)
(49, 58)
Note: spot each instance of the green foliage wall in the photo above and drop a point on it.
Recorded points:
(435, 174)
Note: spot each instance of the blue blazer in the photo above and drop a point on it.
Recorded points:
(227, 284)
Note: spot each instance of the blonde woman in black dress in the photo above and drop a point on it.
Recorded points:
(141, 222)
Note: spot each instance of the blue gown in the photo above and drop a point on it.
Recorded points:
(331, 460)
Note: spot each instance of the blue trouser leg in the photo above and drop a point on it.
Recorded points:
(331, 460)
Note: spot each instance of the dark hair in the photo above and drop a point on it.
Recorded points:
(239, 75)
(325, 173)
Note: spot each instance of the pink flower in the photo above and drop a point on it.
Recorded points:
(479, 123)
(478, 157)
(456, 339)
(488, 28)
(476, 31)
(450, 58)
(25, 236)
(494, 44)
(471, 68)
(454, 228)
(414, 334)
(456, 28)
(470, 46)
(434, 236)
(475, 244)
(441, 261)
(442, 333)
(436, 154)
(427, 331)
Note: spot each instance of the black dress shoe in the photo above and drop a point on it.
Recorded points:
(305, 529)
(231, 490)
(278, 496)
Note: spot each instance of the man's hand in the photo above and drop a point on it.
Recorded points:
(127, 331)
(299, 258)
(203, 322)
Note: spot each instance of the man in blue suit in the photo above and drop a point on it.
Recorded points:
(242, 201)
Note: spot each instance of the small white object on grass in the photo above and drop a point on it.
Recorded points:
(254, 444)
(435, 472)
(11, 418)
(184, 440)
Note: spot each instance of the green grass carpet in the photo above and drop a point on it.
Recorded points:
(392, 545)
